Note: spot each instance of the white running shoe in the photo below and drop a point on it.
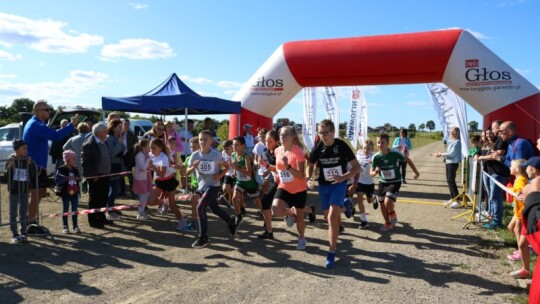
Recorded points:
(290, 220)
(142, 215)
(455, 205)
(182, 223)
(302, 243)
(448, 203)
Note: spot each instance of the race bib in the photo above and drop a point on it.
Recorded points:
(242, 177)
(388, 174)
(20, 175)
(285, 176)
(329, 172)
(207, 167)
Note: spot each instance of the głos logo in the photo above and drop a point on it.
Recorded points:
(267, 84)
(476, 75)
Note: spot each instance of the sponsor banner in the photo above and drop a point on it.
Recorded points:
(331, 104)
(270, 88)
(482, 78)
(452, 113)
(354, 123)
(309, 130)
(363, 126)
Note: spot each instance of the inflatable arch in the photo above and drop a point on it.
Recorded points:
(452, 56)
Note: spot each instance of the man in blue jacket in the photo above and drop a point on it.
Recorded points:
(37, 135)
(518, 148)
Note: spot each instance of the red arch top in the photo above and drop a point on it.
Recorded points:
(371, 60)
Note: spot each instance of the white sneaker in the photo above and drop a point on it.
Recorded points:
(164, 208)
(290, 220)
(302, 243)
(455, 205)
(448, 203)
(111, 216)
(181, 224)
(142, 215)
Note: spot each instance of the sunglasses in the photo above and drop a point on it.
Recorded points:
(47, 109)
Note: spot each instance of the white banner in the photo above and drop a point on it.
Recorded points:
(331, 104)
(452, 113)
(355, 124)
(309, 130)
(363, 134)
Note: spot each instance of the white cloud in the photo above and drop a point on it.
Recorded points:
(230, 92)
(8, 56)
(44, 35)
(8, 76)
(478, 35)
(229, 84)
(197, 80)
(523, 72)
(137, 49)
(416, 103)
(138, 6)
(65, 92)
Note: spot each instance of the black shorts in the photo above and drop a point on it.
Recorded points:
(229, 180)
(297, 200)
(42, 180)
(168, 185)
(389, 189)
(252, 192)
(268, 197)
(366, 189)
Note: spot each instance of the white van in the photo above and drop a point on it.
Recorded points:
(140, 126)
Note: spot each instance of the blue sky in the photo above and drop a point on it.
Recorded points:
(74, 52)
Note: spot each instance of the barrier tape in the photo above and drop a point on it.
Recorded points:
(501, 185)
(184, 197)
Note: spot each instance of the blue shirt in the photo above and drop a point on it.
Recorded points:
(518, 148)
(453, 152)
(37, 134)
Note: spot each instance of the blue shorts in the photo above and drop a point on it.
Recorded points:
(332, 194)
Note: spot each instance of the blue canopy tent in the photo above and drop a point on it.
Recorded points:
(172, 97)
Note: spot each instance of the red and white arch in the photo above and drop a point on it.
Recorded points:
(453, 57)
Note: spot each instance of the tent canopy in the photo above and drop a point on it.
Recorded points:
(172, 97)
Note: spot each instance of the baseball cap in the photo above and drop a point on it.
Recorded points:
(533, 162)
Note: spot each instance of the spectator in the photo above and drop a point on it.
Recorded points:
(37, 135)
(248, 138)
(56, 147)
(170, 131)
(518, 148)
(96, 164)
(209, 125)
(116, 153)
(403, 145)
(452, 158)
(185, 135)
(128, 139)
(75, 143)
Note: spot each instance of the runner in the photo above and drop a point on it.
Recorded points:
(269, 159)
(291, 194)
(332, 155)
(366, 183)
(387, 164)
(209, 167)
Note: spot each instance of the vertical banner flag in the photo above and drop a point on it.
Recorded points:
(309, 130)
(355, 122)
(331, 104)
(452, 113)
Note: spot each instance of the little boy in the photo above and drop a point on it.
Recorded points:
(20, 170)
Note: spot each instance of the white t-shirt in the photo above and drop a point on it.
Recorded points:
(259, 150)
(226, 158)
(161, 161)
(365, 167)
(184, 134)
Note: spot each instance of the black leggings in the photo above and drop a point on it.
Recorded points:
(403, 170)
(451, 170)
(209, 198)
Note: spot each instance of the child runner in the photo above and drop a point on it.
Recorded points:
(142, 179)
(522, 253)
(269, 159)
(67, 178)
(20, 170)
(332, 155)
(193, 185)
(291, 195)
(209, 167)
(164, 179)
(386, 163)
(366, 183)
(245, 183)
(228, 179)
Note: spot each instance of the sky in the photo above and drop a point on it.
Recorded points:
(74, 52)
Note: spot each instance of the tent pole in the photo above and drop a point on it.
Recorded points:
(186, 143)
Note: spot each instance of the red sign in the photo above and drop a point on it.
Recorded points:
(472, 63)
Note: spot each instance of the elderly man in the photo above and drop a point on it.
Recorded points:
(518, 148)
(96, 163)
(37, 135)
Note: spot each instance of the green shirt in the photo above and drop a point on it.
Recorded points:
(192, 178)
(389, 165)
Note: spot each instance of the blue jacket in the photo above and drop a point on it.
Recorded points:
(407, 142)
(518, 148)
(453, 152)
(37, 134)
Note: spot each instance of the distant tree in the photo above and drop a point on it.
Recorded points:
(421, 127)
(388, 127)
(430, 125)
(412, 128)
(223, 131)
(343, 126)
(22, 105)
(473, 126)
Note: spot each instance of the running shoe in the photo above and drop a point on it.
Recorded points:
(142, 215)
(490, 226)
(363, 225)
(76, 230)
(24, 237)
(348, 208)
(34, 229)
(393, 219)
(65, 230)
(455, 205)
(189, 228)
(516, 256)
(232, 225)
(290, 220)
(238, 221)
(386, 227)
(181, 224)
(330, 260)
(302, 243)
(520, 274)
(111, 216)
(266, 236)
(200, 242)
(448, 203)
(376, 203)
(312, 215)
(16, 239)
(341, 229)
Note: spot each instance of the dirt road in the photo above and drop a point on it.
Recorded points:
(427, 258)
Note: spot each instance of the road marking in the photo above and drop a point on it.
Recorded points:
(408, 201)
